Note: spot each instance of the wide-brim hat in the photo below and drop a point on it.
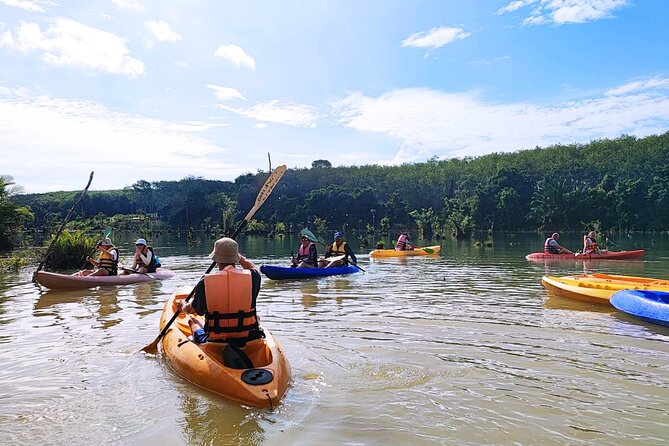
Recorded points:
(226, 250)
(140, 241)
(106, 242)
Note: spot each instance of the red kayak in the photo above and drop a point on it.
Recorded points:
(602, 255)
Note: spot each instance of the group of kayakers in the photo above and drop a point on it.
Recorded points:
(107, 263)
(339, 253)
(551, 245)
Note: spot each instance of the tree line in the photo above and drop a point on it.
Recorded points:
(611, 184)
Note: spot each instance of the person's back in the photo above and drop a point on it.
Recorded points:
(403, 243)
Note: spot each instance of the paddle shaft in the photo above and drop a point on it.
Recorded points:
(265, 191)
(46, 255)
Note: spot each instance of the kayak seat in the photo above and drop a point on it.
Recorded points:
(235, 358)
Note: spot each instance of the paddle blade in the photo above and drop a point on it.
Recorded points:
(428, 250)
(107, 232)
(266, 190)
(152, 348)
(310, 235)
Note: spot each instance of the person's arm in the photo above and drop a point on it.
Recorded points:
(350, 253)
(146, 258)
(246, 263)
(328, 251)
(313, 255)
(199, 304)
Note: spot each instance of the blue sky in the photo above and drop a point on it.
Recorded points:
(158, 90)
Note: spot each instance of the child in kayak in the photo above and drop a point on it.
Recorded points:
(107, 262)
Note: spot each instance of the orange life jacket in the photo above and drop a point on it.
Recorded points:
(231, 312)
(593, 245)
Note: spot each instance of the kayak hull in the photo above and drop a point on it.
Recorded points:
(569, 290)
(282, 272)
(56, 281)
(203, 365)
(599, 287)
(651, 306)
(604, 255)
(424, 251)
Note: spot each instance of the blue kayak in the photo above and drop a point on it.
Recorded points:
(651, 306)
(282, 272)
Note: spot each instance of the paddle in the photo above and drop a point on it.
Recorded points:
(310, 235)
(132, 271)
(46, 255)
(264, 193)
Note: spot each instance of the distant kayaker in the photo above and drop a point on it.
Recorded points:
(337, 249)
(590, 243)
(307, 254)
(226, 298)
(403, 243)
(551, 245)
(107, 262)
(145, 260)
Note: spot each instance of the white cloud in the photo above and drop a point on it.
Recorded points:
(428, 122)
(562, 12)
(85, 135)
(72, 44)
(435, 38)
(162, 31)
(225, 93)
(640, 85)
(28, 5)
(296, 115)
(134, 5)
(236, 56)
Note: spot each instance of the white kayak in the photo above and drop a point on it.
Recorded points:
(57, 281)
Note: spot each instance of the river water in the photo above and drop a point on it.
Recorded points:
(460, 348)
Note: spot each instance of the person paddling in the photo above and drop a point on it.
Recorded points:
(307, 254)
(590, 243)
(338, 249)
(107, 262)
(226, 298)
(551, 245)
(145, 260)
(403, 243)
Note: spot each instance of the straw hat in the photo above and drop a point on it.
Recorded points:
(225, 250)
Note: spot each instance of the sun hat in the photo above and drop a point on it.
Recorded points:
(337, 234)
(106, 242)
(225, 250)
(140, 241)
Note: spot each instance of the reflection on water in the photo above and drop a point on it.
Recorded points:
(464, 347)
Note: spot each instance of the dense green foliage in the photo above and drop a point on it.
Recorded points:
(611, 184)
(70, 249)
(12, 215)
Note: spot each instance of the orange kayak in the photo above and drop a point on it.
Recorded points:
(409, 252)
(599, 287)
(261, 385)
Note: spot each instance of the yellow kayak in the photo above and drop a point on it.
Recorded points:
(409, 252)
(599, 287)
(259, 384)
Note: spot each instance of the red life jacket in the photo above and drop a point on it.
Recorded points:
(303, 251)
(548, 249)
(231, 313)
(401, 243)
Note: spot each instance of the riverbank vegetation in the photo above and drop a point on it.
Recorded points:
(617, 184)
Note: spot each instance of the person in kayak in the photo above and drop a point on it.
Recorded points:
(107, 262)
(145, 260)
(307, 254)
(590, 243)
(403, 243)
(551, 245)
(226, 298)
(338, 249)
